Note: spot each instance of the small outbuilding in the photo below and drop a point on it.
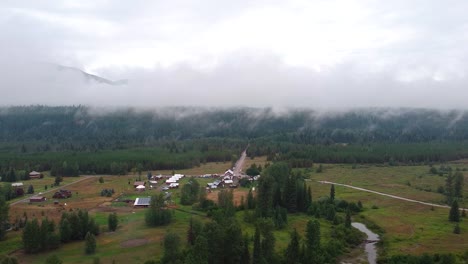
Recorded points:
(37, 199)
(35, 175)
(174, 185)
(156, 177)
(138, 183)
(140, 188)
(142, 202)
(17, 185)
(228, 181)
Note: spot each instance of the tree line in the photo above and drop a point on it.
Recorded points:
(280, 192)
(101, 128)
(39, 236)
(114, 142)
(14, 166)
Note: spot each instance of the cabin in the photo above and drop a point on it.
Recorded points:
(138, 183)
(214, 185)
(174, 185)
(174, 179)
(37, 199)
(140, 188)
(229, 173)
(156, 177)
(17, 185)
(35, 175)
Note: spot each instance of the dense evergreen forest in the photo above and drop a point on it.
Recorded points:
(92, 139)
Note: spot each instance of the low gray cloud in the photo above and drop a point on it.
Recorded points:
(339, 54)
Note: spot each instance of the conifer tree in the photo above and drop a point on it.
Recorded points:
(190, 233)
(198, 254)
(90, 244)
(245, 257)
(257, 251)
(312, 252)
(264, 201)
(4, 209)
(348, 219)
(458, 184)
(250, 200)
(332, 193)
(157, 214)
(32, 237)
(65, 230)
(309, 197)
(268, 241)
(112, 221)
(291, 194)
(292, 253)
(53, 260)
(171, 248)
(449, 187)
(454, 215)
(30, 189)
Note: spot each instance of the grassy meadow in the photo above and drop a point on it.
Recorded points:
(409, 228)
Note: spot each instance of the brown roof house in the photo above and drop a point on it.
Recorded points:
(138, 183)
(37, 199)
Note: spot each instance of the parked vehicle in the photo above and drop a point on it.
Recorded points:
(62, 194)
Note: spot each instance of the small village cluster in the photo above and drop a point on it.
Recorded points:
(228, 179)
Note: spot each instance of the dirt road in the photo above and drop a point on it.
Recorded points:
(50, 190)
(240, 164)
(388, 195)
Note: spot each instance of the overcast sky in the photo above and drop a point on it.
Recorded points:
(298, 53)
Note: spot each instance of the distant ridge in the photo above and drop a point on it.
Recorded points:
(91, 77)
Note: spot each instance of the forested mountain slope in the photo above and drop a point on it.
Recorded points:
(79, 124)
(181, 137)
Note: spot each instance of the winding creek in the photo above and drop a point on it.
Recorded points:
(372, 238)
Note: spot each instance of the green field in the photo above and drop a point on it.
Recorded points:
(409, 228)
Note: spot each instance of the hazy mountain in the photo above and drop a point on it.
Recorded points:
(91, 77)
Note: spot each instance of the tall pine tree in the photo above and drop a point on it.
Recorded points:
(312, 252)
(4, 209)
(292, 253)
(257, 251)
(332, 193)
(245, 257)
(454, 215)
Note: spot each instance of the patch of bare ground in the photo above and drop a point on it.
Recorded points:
(108, 208)
(237, 195)
(134, 242)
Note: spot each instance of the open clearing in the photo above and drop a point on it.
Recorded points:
(133, 242)
(409, 228)
(237, 195)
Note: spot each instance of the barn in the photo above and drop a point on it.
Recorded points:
(142, 202)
